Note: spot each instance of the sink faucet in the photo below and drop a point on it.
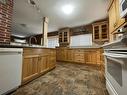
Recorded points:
(32, 37)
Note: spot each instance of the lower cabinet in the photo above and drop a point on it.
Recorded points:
(84, 56)
(30, 67)
(91, 57)
(43, 64)
(36, 63)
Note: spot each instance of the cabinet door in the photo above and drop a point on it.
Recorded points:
(112, 18)
(104, 32)
(90, 57)
(52, 62)
(70, 55)
(43, 64)
(87, 57)
(30, 68)
(60, 37)
(96, 33)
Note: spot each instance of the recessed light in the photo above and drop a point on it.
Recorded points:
(67, 9)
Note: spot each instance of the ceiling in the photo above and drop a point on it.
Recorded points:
(28, 21)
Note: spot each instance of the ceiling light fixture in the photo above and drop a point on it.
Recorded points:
(67, 9)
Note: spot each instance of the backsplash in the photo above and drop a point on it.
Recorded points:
(6, 11)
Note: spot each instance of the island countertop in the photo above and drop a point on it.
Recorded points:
(22, 46)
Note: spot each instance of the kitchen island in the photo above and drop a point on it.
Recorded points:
(36, 60)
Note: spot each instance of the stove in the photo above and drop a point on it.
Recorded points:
(116, 66)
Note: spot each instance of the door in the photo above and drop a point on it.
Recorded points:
(96, 33)
(112, 17)
(30, 67)
(104, 32)
(91, 57)
(43, 64)
(52, 62)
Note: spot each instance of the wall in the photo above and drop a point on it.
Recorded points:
(6, 11)
(80, 30)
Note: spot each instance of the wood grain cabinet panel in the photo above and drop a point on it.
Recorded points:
(85, 56)
(115, 21)
(43, 64)
(64, 37)
(37, 62)
(30, 67)
(100, 31)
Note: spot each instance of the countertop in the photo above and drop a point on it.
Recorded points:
(82, 47)
(23, 46)
(85, 47)
(39, 46)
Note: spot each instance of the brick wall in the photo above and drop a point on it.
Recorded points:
(5, 21)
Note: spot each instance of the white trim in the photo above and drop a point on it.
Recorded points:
(110, 88)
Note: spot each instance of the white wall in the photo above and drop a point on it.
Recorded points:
(81, 40)
(53, 41)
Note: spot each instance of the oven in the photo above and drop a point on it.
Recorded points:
(116, 71)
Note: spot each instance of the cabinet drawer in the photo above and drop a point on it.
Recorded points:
(79, 56)
(80, 60)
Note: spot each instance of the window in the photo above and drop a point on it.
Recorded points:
(53, 41)
(81, 40)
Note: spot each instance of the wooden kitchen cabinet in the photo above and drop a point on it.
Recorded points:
(91, 57)
(64, 37)
(52, 62)
(43, 65)
(85, 56)
(37, 62)
(115, 21)
(30, 67)
(100, 31)
(70, 55)
(79, 56)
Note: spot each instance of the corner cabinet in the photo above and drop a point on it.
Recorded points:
(100, 31)
(64, 37)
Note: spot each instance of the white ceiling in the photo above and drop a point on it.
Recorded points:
(85, 11)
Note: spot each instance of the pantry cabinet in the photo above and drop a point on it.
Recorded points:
(100, 31)
(37, 62)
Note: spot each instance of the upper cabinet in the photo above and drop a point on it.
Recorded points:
(115, 20)
(100, 31)
(64, 37)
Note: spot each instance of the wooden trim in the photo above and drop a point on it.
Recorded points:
(110, 4)
(116, 30)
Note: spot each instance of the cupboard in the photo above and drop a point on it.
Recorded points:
(100, 31)
(30, 67)
(37, 62)
(115, 21)
(64, 37)
(83, 55)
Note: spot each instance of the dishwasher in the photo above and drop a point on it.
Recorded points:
(10, 69)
